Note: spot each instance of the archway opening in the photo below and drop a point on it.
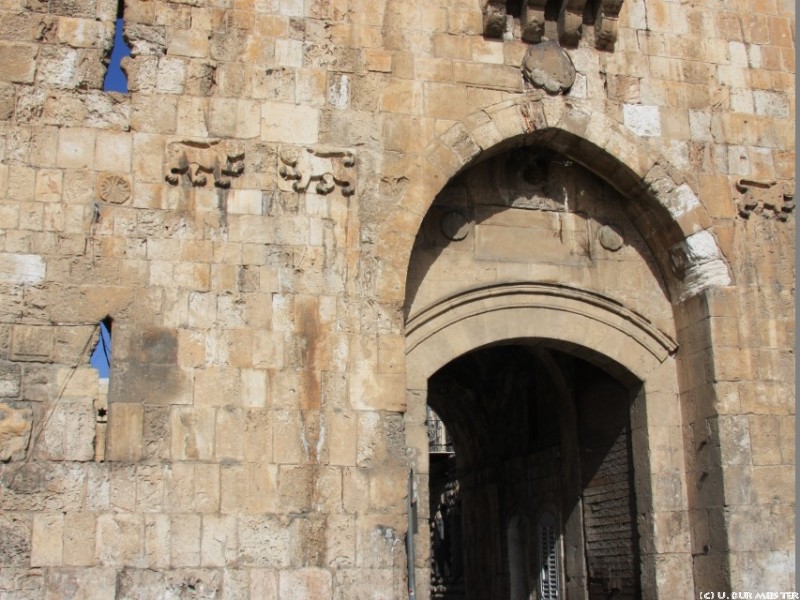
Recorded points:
(536, 499)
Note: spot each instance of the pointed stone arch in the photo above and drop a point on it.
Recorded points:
(665, 207)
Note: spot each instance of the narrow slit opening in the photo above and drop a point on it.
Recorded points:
(101, 356)
(115, 79)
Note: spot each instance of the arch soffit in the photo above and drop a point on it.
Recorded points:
(587, 136)
(557, 315)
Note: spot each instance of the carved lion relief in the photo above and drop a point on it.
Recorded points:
(327, 167)
(204, 162)
(770, 199)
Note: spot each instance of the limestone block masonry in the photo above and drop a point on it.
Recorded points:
(301, 211)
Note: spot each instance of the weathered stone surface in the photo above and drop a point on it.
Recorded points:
(15, 432)
(16, 549)
(547, 66)
(301, 211)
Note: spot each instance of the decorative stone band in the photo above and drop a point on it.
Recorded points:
(499, 17)
(549, 299)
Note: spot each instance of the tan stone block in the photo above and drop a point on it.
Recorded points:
(298, 584)
(765, 437)
(219, 541)
(407, 133)
(113, 151)
(264, 584)
(157, 541)
(378, 60)
(121, 485)
(193, 276)
(340, 550)
(245, 202)
(402, 96)
(287, 437)
(229, 438)
(188, 42)
(83, 33)
(296, 488)
(47, 540)
(450, 46)
(76, 148)
(289, 123)
(265, 541)
(249, 489)
(206, 487)
(445, 101)
(311, 87)
(17, 62)
(124, 435)
(120, 539)
(391, 354)
(258, 435)
(179, 480)
(216, 386)
(731, 364)
(268, 349)
(79, 538)
(488, 50)
(379, 539)
(342, 435)
(488, 75)
(671, 532)
(773, 484)
(185, 540)
(192, 433)
(49, 185)
(254, 388)
(155, 113)
(388, 488)
(148, 157)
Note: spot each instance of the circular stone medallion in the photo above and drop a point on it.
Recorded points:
(114, 188)
(547, 66)
(455, 225)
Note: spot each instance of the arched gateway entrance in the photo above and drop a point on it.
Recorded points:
(540, 328)
(545, 431)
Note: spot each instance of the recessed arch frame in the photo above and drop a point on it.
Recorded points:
(664, 204)
(605, 333)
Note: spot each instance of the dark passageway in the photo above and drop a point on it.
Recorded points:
(535, 498)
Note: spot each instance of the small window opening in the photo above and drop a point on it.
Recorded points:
(101, 357)
(115, 80)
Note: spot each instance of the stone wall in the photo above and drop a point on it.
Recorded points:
(246, 214)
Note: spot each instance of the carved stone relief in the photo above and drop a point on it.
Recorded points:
(15, 432)
(494, 18)
(531, 14)
(570, 22)
(113, 188)
(770, 199)
(549, 67)
(532, 20)
(202, 163)
(609, 238)
(454, 225)
(329, 168)
(606, 24)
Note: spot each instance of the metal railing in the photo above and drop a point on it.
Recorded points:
(439, 441)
